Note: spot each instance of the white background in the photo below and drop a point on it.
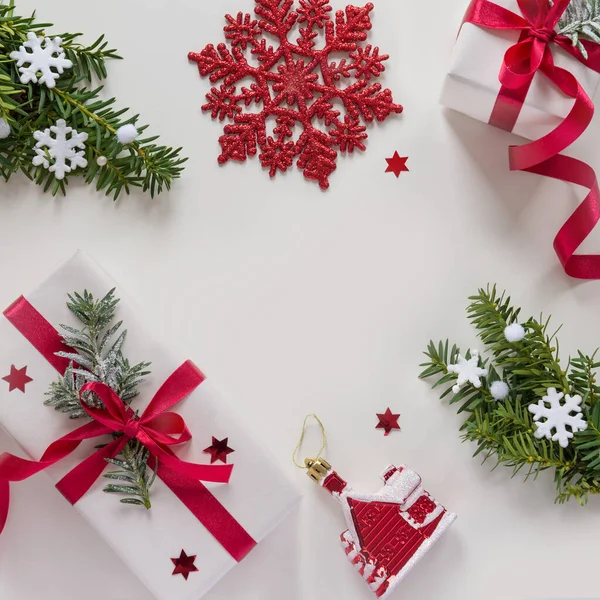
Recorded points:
(294, 300)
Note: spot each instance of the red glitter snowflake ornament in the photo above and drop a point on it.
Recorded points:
(295, 86)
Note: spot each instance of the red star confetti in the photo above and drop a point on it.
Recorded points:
(320, 89)
(184, 565)
(219, 450)
(17, 379)
(388, 421)
(396, 164)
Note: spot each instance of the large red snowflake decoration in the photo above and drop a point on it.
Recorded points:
(295, 84)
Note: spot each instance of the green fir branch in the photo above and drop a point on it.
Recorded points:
(133, 474)
(580, 21)
(503, 430)
(96, 355)
(32, 107)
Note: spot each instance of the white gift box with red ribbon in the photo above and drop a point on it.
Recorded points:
(472, 85)
(258, 496)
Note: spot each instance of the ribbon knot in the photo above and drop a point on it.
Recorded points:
(543, 34)
(132, 428)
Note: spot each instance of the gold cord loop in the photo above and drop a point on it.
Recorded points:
(299, 445)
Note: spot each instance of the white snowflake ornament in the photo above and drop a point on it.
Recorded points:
(46, 57)
(468, 371)
(59, 154)
(558, 417)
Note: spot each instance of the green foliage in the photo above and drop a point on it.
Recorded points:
(504, 430)
(580, 21)
(98, 357)
(134, 474)
(32, 107)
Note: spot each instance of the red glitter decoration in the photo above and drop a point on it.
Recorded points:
(419, 511)
(17, 379)
(219, 450)
(396, 164)
(391, 530)
(388, 421)
(334, 484)
(184, 565)
(295, 86)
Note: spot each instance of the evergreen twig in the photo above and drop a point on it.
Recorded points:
(504, 430)
(97, 356)
(580, 21)
(133, 472)
(32, 107)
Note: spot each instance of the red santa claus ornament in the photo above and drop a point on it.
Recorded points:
(389, 531)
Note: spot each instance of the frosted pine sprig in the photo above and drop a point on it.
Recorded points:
(580, 21)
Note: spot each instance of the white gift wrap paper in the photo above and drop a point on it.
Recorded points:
(258, 495)
(472, 85)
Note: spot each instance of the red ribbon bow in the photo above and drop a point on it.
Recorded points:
(532, 54)
(157, 429)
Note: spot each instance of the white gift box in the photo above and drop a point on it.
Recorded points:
(258, 495)
(472, 85)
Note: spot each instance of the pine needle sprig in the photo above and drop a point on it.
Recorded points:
(134, 474)
(32, 107)
(96, 355)
(504, 430)
(580, 21)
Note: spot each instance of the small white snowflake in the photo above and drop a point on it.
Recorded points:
(468, 371)
(60, 149)
(558, 416)
(46, 54)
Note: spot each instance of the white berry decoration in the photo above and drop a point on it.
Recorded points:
(4, 129)
(514, 332)
(46, 57)
(127, 133)
(499, 390)
(558, 417)
(59, 154)
(468, 371)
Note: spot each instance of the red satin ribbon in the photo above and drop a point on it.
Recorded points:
(157, 429)
(532, 54)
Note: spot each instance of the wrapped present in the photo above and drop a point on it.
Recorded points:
(512, 68)
(214, 492)
(472, 85)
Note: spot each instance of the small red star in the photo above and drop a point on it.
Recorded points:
(396, 164)
(388, 421)
(17, 379)
(184, 565)
(219, 450)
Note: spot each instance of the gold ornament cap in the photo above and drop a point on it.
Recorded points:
(317, 468)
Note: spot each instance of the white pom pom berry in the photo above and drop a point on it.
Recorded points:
(127, 133)
(4, 129)
(499, 390)
(514, 332)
